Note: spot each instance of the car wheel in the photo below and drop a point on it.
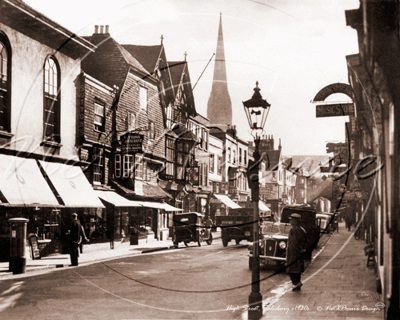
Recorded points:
(250, 263)
(224, 242)
(176, 244)
(237, 241)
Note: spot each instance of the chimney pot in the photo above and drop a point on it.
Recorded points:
(96, 29)
(107, 29)
(101, 29)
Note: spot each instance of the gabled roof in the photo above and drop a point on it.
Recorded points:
(119, 53)
(176, 67)
(146, 55)
(179, 69)
(152, 58)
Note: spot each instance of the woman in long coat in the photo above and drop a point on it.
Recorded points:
(295, 251)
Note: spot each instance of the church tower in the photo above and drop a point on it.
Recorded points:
(219, 107)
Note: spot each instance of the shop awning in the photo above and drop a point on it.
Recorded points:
(155, 205)
(171, 208)
(115, 199)
(72, 185)
(227, 201)
(262, 206)
(22, 183)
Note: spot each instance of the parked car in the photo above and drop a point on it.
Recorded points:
(272, 246)
(323, 221)
(188, 227)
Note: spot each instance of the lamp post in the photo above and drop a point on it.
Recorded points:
(256, 110)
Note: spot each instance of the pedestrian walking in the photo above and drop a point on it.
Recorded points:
(349, 217)
(295, 250)
(75, 239)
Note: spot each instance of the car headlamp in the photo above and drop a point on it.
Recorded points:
(282, 245)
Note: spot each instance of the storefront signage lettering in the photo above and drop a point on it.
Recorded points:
(132, 143)
(333, 88)
(335, 110)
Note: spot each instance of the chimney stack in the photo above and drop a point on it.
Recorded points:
(96, 29)
(101, 29)
(107, 29)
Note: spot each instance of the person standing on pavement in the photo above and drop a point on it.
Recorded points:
(295, 250)
(75, 239)
(83, 238)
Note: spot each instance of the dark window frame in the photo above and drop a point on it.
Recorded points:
(5, 89)
(51, 102)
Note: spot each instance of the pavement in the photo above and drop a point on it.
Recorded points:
(336, 285)
(90, 255)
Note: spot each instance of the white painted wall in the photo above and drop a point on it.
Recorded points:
(28, 58)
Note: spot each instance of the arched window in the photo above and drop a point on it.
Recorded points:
(5, 84)
(51, 121)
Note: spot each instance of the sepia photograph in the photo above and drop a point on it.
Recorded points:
(183, 159)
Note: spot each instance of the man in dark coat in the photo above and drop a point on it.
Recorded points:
(295, 250)
(75, 239)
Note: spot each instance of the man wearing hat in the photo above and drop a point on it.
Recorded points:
(75, 239)
(295, 251)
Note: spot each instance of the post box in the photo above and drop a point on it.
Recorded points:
(17, 245)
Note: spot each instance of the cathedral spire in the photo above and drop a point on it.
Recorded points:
(219, 107)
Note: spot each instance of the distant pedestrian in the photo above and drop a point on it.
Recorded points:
(75, 239)
(349, 217)
(83, 238)
(295, 250)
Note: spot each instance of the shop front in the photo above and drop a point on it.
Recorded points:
(46, 193)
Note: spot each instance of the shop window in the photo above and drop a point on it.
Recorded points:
(219, 165)
(212, 159)
(143, 98)
(117, 164)
(139, 166)
(152, 131)
(98, 166)
(131, 122)
(99, 116)
(51, 101)
(170, 155)
(170, 119)
(128, 166)
(5, 84)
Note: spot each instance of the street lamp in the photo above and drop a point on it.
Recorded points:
(256, 110)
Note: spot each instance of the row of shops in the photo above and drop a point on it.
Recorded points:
(47, 193)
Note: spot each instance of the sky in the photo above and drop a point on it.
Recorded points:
(292, 48)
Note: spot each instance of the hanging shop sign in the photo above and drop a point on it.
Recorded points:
(132, 143)
(224, 187)
(335, 110)
(193, 175)
(333, 88)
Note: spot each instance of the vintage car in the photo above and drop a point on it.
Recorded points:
(238, 225)
(323, 221)
(188, 227)
(272, 246)
(327, 222)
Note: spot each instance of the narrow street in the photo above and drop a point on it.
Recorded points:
(205, 282)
